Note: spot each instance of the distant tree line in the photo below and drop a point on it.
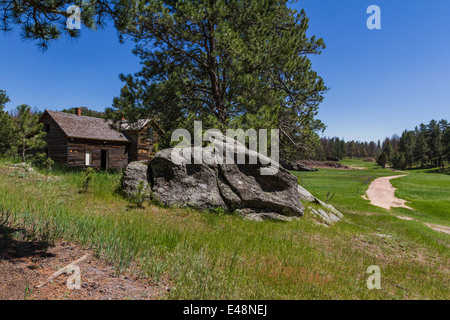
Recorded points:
(428, 145)
(336, 149)
(85, 111)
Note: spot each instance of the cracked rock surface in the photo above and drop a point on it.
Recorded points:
(227, 186)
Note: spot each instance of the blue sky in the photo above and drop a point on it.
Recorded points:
(381, 81)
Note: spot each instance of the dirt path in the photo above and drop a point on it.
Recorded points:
(437, 227)
(381, 193)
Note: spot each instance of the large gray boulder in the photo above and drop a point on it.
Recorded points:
(264, 190)
(232, 187)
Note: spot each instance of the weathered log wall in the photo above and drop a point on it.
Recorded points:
(56, 147)
(117, 153)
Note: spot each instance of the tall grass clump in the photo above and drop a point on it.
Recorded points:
(87, 178)
(139, 196)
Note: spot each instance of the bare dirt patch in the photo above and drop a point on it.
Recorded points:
(324, 164)
(388, 249)
(26, 265)
(381, 193)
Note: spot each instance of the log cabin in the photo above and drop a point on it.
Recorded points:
(81, 142)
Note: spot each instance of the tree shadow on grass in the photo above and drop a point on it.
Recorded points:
(439, 170)
(16, 243)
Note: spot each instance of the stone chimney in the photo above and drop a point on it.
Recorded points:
(78, 111)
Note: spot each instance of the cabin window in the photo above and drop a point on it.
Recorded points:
(150, 134)
(88, 157)
(47, 127)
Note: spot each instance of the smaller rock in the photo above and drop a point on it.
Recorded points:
(20, 165)
(331, 208)
(327, 213)
(298, 167)
(333, 217)
(25, 166)
(323, 215)
(305, 195)
(132, 176)
(302, 167)
(249, 214)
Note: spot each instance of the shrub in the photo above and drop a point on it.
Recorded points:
(48, 164)
(139, 197)
(399, 161)
(382, 159)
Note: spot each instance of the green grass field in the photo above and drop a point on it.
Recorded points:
(429, 194)
(215, 256)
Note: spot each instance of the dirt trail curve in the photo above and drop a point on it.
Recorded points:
(381, 193)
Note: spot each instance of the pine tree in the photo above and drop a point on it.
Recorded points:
(6, 126)
(28, 134)
(447, 144)
(388, 149)
(434, 141)
(399, 160)
(406, 147)
(229, 63)
(45, 20)
(445, 128)
(4, 99)
(382, 159)
(351, 149)
(420, 148)
(372, 149)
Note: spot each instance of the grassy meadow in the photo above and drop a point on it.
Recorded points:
(206, 255)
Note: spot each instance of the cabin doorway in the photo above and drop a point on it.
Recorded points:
(104, 160)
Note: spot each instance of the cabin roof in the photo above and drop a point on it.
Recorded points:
(83, 127)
